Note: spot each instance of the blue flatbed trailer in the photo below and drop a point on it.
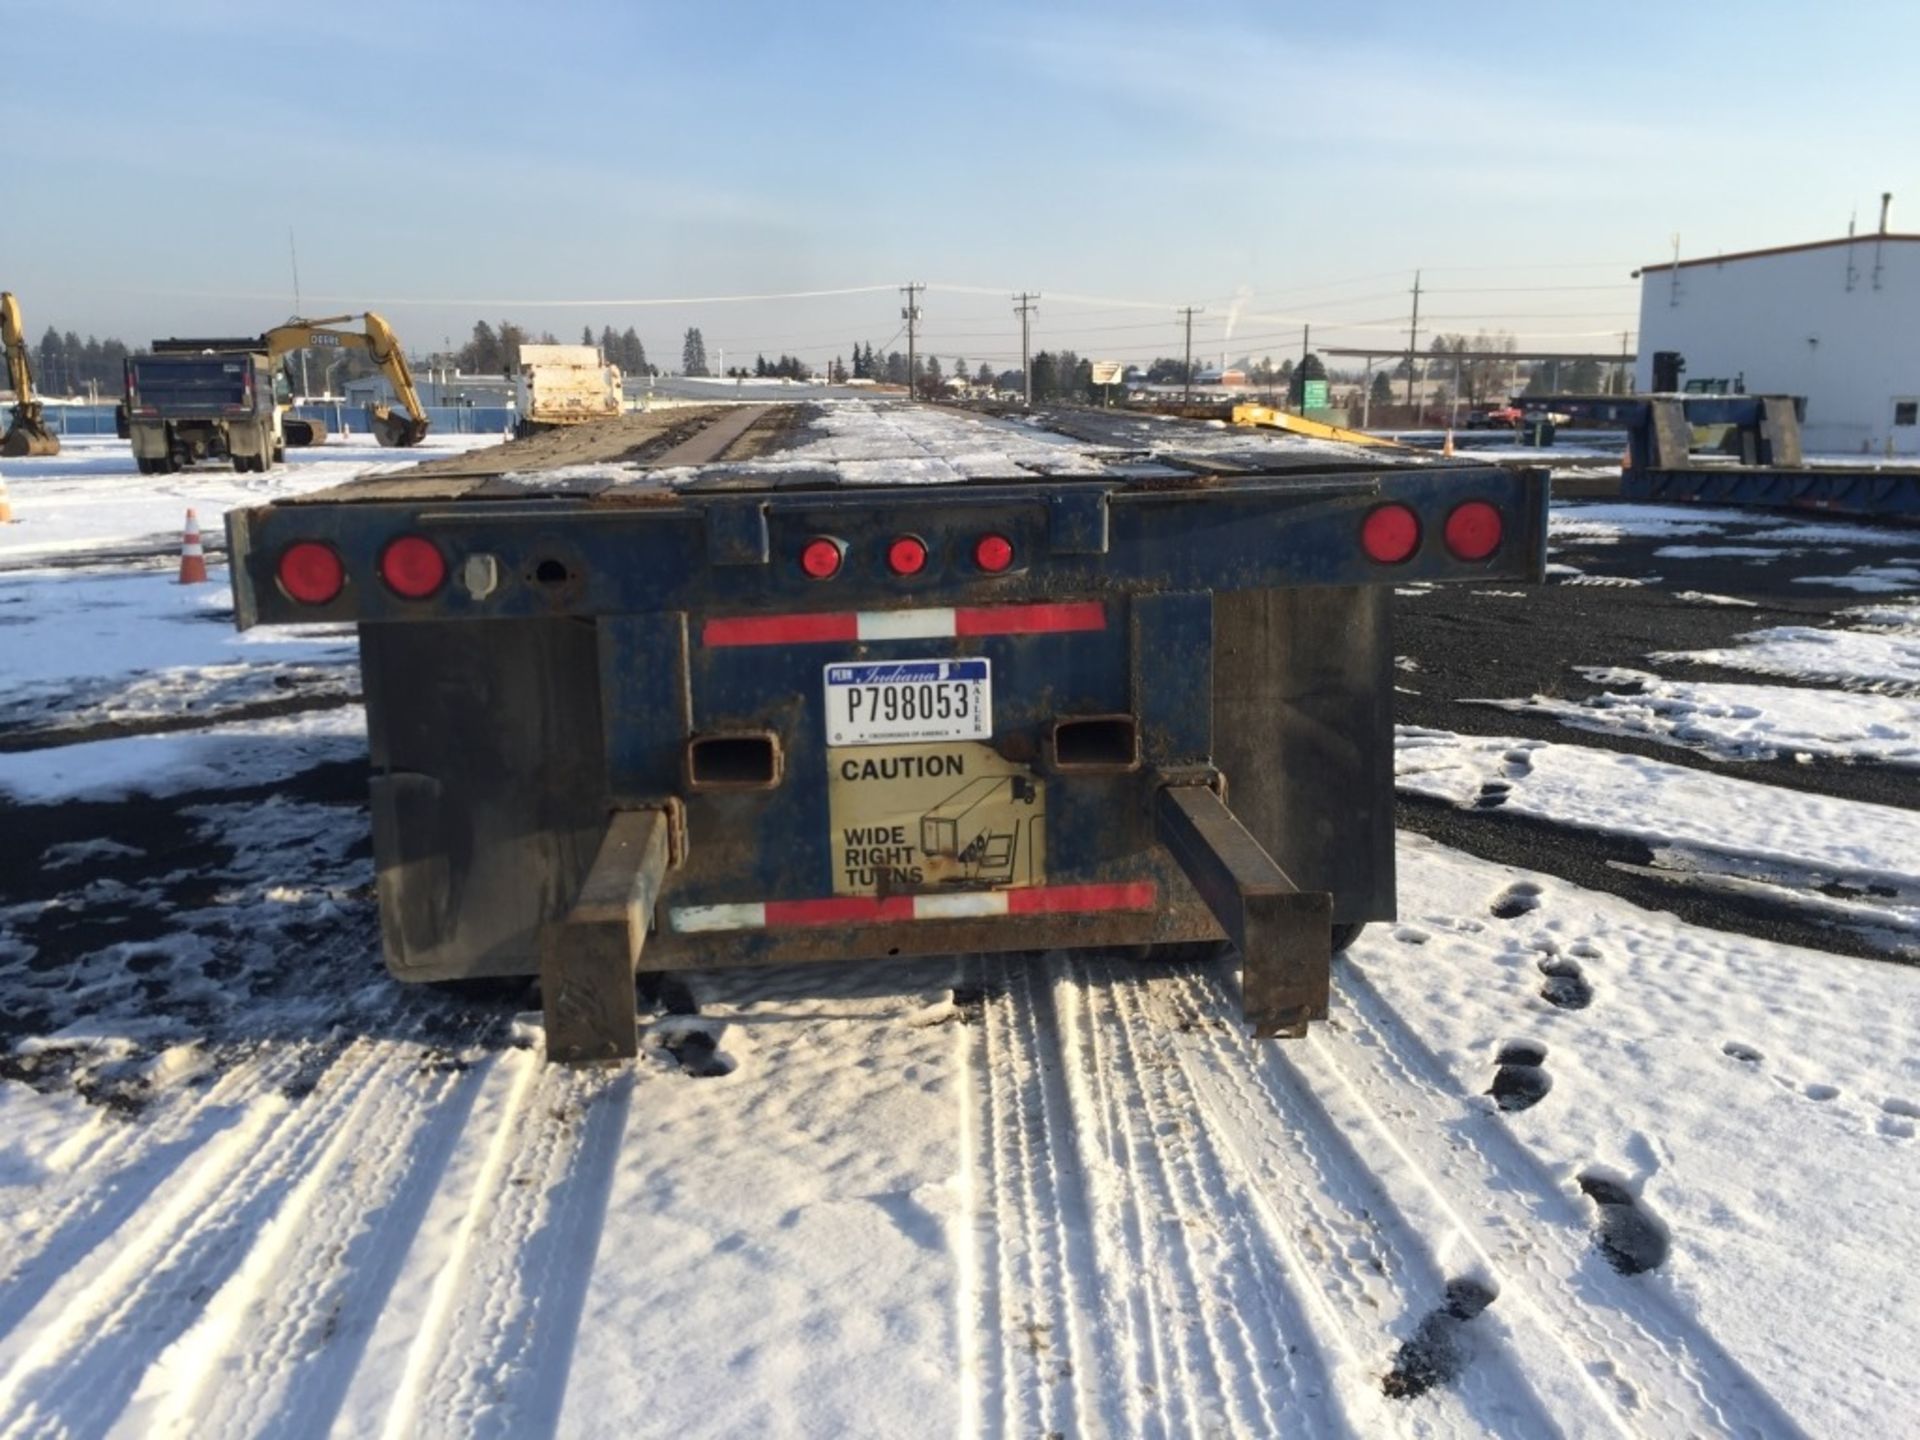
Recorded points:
(774, 684)
(1738, 450)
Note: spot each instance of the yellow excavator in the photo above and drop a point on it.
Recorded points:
(376, 337)
(27, 432)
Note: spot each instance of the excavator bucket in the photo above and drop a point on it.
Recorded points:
(28, 434)
(392, 429)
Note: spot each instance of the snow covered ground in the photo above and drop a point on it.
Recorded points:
(1556, 1164)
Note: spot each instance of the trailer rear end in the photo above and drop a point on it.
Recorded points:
(879, 680)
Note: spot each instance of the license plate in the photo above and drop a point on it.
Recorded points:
(890, 702)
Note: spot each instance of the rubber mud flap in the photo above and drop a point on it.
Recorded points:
(415, 880)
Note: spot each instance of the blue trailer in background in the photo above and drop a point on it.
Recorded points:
(1721, 449)
(768, 684)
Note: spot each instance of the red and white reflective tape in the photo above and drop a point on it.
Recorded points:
(876, 909)
(929, 624)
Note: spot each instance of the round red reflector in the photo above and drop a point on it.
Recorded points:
(311, 573)
(821, 558)
(1390, 534)
(993, 553)
(907, 556)
(412, 567)
(1473, 530)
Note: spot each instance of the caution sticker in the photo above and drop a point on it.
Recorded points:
(928, 817)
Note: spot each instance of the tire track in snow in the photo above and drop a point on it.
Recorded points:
(1034, 1281)
(276, 1348)
(491, 1356)
(1243, 1349)
(1373, 1269)
(1654, 1370)
(111, 1320)
(111, 1167)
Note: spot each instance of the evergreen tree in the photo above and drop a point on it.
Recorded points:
(959, 369)
(481, 355)
(512, 337)
(985, 377)
(51, 373)
(610, 346)
(1382, 391)
(633, 355)
(1311, 367)
(1046, 376)
(896, 368)
(693, 353)
(586, 335)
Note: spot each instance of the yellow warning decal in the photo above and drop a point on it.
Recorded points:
(925, 817)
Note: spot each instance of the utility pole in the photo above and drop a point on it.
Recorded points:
(1186, 373)
(910, 313)
(1028, 304)
(1620, 386)
(1306, 334)
(1413, 337)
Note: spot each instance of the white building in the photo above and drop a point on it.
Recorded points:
(1837, 321)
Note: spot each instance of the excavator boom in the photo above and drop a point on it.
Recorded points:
(376, 337)
(27, 432)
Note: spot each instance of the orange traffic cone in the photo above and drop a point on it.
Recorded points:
(6, 505)
(1447, 448)
(193, 560)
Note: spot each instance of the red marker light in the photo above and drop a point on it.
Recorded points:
(311, 573)
(821, 558)
(907, 556)
(1390, 534)
(993, 553)
(412, 567)
(1473, 530)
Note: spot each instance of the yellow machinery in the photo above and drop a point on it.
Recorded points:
(376, 337)
(1312, 429)
(27, 433)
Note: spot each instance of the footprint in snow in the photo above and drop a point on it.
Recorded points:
(1567, 986)
(696, 1049)
(1898, 1117)
(1516, 900)
(1411, 935)
(1439, 1349)
(1519, 764)
(1521, 1081)
(1493, 794)
(1631, 1239)
(1742, 1052)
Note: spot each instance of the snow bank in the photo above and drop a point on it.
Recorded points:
(1662, 804)
(245, 753)
(1741, 722)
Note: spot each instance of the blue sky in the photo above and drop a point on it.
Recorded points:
(1274, 163)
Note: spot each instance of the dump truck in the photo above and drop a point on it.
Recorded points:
(556, 385)
(196, 400)
(27, 432)
(771, 684)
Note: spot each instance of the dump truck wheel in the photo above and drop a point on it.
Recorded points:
(1345, 935)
